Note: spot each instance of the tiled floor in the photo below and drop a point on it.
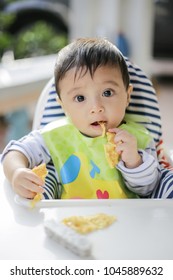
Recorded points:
(165, 98)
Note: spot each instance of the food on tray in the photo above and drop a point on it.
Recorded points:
(110, 152)
(86, 224)
(40, 171)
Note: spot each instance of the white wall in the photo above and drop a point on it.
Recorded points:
(108, 17)
(138, 27)
(92, 18)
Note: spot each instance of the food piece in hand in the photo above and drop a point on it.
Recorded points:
(36, 199)
(110, 152)
(111, 155)
(86, 224)
(40, 171)
(102, 124)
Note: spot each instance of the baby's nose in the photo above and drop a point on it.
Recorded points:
(97, 109)
(96, 105)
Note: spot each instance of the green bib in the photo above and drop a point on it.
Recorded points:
(81, 163)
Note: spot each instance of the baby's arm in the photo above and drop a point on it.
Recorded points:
(139, 168)
(22, 179)
(19, 157)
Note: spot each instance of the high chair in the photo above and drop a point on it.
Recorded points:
(143, 104)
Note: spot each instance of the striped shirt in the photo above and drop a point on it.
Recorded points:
(141, 180)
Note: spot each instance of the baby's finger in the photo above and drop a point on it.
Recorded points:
(120, 147)
(114, 130)
(32, 186)
(123, 136)
(34, 178)
(29, 182)
(24, 192)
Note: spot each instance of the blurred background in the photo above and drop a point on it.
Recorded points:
(32, 32)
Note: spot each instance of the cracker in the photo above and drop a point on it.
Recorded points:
(110, 150)
(102, 124)
(110, 147)
(86, 224)
(40, 171)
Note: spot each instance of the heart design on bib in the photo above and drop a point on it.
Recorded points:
(102, 195)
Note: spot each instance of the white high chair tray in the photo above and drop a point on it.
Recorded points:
(143, 228)
(49, 203)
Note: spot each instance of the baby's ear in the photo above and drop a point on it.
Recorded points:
(129, 91)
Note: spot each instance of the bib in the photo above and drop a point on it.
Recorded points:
(81, 163)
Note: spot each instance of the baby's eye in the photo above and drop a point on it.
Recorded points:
(107, 93)
(79, 98)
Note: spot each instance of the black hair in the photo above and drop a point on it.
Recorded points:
(88, 54)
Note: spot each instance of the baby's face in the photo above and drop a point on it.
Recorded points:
(88, 101)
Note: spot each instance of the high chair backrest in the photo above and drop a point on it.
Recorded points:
(143, 103)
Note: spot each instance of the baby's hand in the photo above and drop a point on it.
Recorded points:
(126, 147)
(26, 183)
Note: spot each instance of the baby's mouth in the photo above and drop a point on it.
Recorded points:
(95, 123)
(100, 124)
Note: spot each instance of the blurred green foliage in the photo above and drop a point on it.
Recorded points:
(40, 39)
(6, 38)
(35, 40)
